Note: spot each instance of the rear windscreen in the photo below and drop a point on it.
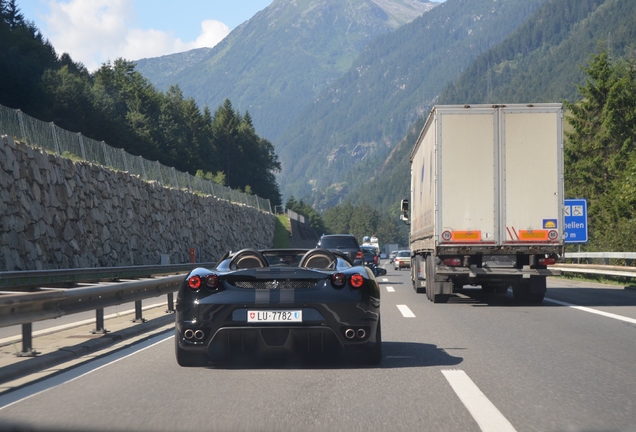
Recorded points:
(338, 242)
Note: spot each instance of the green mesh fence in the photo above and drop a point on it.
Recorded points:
(74, 145)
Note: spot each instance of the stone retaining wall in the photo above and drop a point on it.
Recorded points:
(57, 213)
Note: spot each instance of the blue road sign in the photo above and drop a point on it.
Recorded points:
(575, 219)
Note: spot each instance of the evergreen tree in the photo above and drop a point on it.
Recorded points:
(600, 153)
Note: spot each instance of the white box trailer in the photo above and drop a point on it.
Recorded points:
(486, 205)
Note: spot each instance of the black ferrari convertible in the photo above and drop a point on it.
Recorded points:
(313, 304)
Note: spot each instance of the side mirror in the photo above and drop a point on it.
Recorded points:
(379, 271)
(405, 205)
(405, 211)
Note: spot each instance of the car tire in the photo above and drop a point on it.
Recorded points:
(375, 353)
(188, 359)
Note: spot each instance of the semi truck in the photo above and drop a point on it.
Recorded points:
(486, 203)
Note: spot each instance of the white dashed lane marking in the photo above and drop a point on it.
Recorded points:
(406, 311)
(594, 311)
(390, 289)
(485, 413)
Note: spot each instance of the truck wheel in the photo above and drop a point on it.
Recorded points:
(536, 298)
(530, 291)
(418, 284)
(487, 289)
(441, 298)
(430, 277)
(521, 292)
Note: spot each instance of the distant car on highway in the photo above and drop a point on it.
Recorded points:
(370, 256)
(402, 260)
(342, 242)
(392, 256)
(278, 302)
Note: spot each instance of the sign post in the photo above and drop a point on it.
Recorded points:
(575, 219)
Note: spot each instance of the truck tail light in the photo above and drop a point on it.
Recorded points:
(546, 261)
(452, 262)
(359, 255)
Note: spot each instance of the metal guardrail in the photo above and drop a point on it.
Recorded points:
(48, 300)
(35, 278)
(599, 269)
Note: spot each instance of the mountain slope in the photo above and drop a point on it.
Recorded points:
(396, 79)
(277, 62)
(541, 62)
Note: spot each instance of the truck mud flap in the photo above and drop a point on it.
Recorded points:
(418, 274)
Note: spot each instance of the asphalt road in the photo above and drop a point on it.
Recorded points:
(476, 363)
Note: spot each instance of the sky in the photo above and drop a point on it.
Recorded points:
(97, 31)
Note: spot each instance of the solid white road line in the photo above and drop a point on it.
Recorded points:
(487, 416)
(390, 289)
(38, 387)
(594, 311)
(406, 311)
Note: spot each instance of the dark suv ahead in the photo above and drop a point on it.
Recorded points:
(345, 242)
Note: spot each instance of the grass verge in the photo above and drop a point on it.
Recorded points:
(282, 232)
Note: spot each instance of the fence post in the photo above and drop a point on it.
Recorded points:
(99, 322)
(123, 156)
(160, 174)
(55, 141)
(143, 169)
(27, 342)
(22, 128)
(176, 180)
(106, 157)
(138, 314)
(81, 143)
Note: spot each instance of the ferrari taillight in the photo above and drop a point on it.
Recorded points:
(194, 282)
(212, 281)
(356, 281)
(338, 280)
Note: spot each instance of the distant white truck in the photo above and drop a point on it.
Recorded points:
(372, 242)
(486, 204)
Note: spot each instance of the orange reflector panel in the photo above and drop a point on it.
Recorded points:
(466, 236)
(533, 235)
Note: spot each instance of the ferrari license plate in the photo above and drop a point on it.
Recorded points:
(275, 316)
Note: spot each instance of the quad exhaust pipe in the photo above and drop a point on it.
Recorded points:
(190, 334)
(352, 333)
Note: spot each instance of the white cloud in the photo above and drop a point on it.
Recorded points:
(96, 31)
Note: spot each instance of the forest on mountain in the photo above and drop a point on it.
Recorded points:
(545, 60)
(337, 144)
(118, 105)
